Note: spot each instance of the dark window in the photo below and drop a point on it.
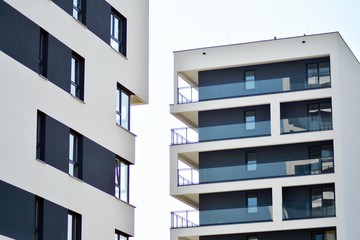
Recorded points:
(40, 136)
(324, 154)
(39, 210)
(249, 120)
(318, 75)
(79, 10)
(249, 80)
(123, 108)
(43, 52)
(118, 32)
(251, 162)
(252, 203)
(320, 116)
(77, 76)
(121, 179)
(324, 235)
(74, 226)
(74, 154)
(120, 236)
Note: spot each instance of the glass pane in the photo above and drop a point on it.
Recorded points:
(318, 236)
(252, 238)
(249, 120)
(71, 147)
(329, 201)
(124, 182)
(316, 202)
(251, 161)
(114, 44)
(123, 237)
(125, 101)
(330, 235)
(312, 73)
(249, 80)
(324, 74)
(116, 28)
(70, 227)
(252, 203)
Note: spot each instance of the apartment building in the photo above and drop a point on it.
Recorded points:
(70, 72)
(270, 147)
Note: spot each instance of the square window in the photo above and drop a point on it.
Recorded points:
(249, 120)
(118, 32)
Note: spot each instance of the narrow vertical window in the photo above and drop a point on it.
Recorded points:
(121, 180)
(40, 136)
(251, 161)
(123, 108)
(249, 120)
(120, 236)
(74, 226)
(249, 80)
(77, 76)
(74, 156)
(79, 10)
(118, 32)
(43, 52)
(38, 223)
(252, 203)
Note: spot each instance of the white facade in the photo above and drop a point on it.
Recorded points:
(345, 70)
(24, 91)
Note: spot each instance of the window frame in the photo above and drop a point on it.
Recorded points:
(77, 76)
(120, 235)
(250, 125)
(38, 218)
(43, 52)
(250, 83)
(118, 36)
(120, 92)
(78, 11)
(40, 135)
(75, 220)
(74, 164)
(119, 164)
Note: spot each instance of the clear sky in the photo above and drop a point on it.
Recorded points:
(186, 24)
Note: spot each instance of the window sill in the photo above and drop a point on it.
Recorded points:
(126, 129)
(118, 199)
(81, 23)
(43, 77)
(122, 55)
(78, 179)
(41, 161)
(83, 102)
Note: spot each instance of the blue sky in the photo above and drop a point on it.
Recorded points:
(186, 24)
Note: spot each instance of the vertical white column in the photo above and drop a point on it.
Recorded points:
(275, 117)
(176, 82)
(173, 170)
(277, 203)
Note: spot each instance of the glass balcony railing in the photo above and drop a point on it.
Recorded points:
(184, 219)
(260, 170)
(220, 132)
(190, 94)
(300, 210)
(305, 124)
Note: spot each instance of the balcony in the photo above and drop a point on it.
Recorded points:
(220, 132)
(306, 116)
(194, 218)
(190, 176)
(190, 94)
(309, 202)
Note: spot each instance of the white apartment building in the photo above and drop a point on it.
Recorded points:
(70, 70)
(270, 147)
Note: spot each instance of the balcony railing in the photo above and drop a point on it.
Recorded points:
(220, 132)
(221, 216)
(306, 124)
(190, 94)
(305, 210)
(260, 170)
